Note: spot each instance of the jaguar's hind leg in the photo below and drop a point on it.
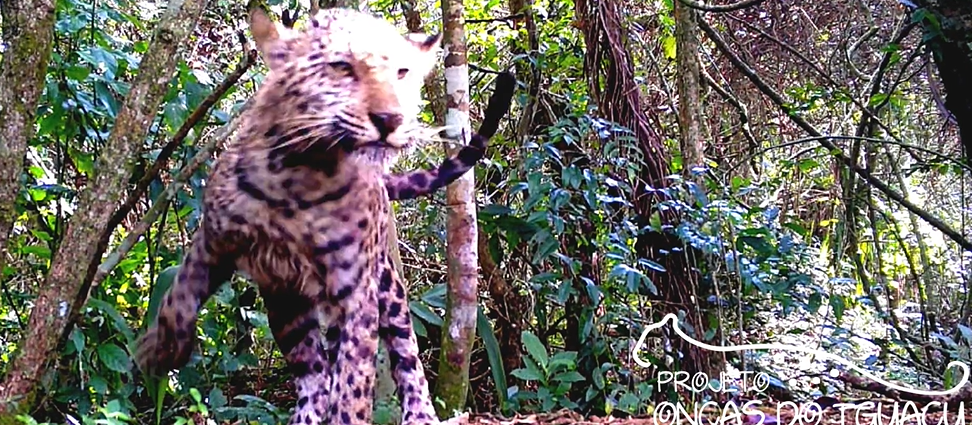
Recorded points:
(295, 321)
(395, 328)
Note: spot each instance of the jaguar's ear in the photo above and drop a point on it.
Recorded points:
(429, 46)
(270, 38)
(425, 42)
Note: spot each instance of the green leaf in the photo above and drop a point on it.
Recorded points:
(114, 358)
(77, 340)
(527, 375)
(77, 73)
(839, 305)
(598, 378)
(162, 285)
(419, 328)
(563, 358)
(571, 376)
(117, 321)
(98, 384)
(877, 99)
(668, 47)
(495, 210)
(435, 297)
(535, 348)
(547, 246)
(425, 313)
(38, 250)
(493, 354)
(216, 398)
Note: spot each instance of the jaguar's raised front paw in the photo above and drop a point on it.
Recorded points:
(161, 350)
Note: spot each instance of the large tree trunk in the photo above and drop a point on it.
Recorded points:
(610, 74)
(459, 327)
(49, 317)
(950, 41)
(28, 34)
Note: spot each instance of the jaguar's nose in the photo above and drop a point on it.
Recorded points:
(385, 123)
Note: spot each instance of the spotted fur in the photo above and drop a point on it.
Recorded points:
(299, 202)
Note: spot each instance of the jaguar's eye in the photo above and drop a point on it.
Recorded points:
(342, 67)
(402, 73)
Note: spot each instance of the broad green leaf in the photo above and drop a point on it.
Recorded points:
(535, 348)
(117, 321)
(548, 245)
(425, 313)
(162, 285)
(668, 47)
(114, 358)
(493, 354)
(527, 375)
(572, 376)
(419, 327)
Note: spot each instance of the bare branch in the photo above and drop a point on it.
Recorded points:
(824, 141)
(721, 8)
(49, 319)
(162, 202)
(515, 17)
(201, 111)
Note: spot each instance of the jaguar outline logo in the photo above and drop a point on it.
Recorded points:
(673, 319)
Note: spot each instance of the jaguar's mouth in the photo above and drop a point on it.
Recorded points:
(378, 144)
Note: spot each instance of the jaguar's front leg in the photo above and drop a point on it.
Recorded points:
(352, 304)
(295, 320)
(395, 328)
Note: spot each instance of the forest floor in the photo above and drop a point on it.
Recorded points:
(277, 389)
(867, 415)
(832, 416)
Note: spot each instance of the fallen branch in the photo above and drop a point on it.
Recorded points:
(824, 141)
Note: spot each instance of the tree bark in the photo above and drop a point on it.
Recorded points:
(687, 79)
(619, 100)
(49, 317)
(28, 34)
(459, 327)
(951, 44)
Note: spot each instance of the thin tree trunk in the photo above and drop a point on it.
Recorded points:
(459, 327)
(385, 382)
(687, 79)
(28, 35)
(49, 317)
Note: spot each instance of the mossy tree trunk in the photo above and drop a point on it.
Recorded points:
(28, 35)
(689, 87)
(61, 291)
(459, 327)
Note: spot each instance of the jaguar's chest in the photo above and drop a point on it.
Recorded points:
(296, 223)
